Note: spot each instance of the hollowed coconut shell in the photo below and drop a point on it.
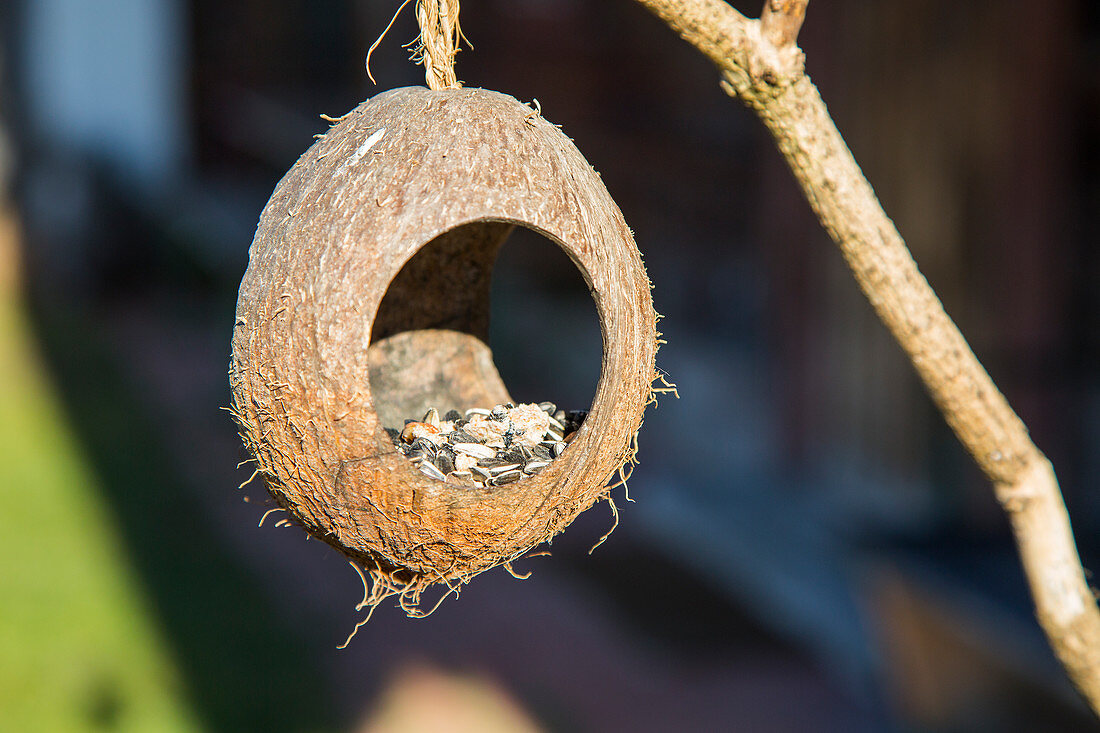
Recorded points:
(331, 343)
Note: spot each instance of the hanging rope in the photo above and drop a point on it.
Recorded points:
(437, 44)
(439, 39)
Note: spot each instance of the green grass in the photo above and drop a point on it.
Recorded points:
(79, 648)
(241, 663)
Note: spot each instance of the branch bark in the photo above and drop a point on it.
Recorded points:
(781, 20)
(762, 65)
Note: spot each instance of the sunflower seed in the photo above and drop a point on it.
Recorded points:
(490, 447)
(445, 461)
(516, 454)
(460, 436)
(431, 417)
(425, 445)
(477, 450)
(507, 478)
(428, 469)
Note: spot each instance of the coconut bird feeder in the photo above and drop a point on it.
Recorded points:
(366, 301)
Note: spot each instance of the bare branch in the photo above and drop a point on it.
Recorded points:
(712, 26)
(782, 19)
(730, 40)
(770, 79)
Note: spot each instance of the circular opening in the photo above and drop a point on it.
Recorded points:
(543, 327)
(470, 323)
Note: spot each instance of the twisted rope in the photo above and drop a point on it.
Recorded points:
(439, 38)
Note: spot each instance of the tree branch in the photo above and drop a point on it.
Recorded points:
(781, 20)
(762, 66)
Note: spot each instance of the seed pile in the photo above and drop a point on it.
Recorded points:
(488, 447)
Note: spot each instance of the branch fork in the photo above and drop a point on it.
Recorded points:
(781, 20)
(762, 65)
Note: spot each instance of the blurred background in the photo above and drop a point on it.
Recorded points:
(810, 549)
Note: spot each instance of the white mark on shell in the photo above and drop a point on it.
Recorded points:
(365, 147)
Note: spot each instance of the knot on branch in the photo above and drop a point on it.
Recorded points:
(764, 69)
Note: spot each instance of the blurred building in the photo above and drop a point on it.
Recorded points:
(809, 549)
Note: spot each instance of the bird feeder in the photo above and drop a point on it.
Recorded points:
(366, 300)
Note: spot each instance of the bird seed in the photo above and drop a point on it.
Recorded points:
(487, 447)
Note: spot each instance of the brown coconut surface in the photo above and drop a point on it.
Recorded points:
(366, 300)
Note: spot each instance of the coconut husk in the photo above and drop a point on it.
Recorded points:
(347, 322)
